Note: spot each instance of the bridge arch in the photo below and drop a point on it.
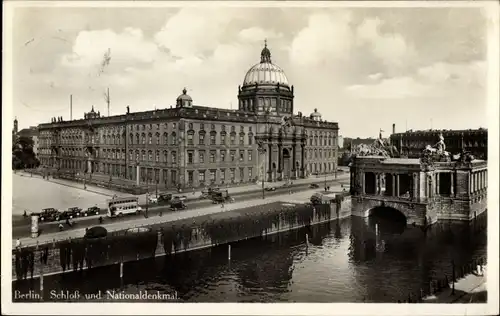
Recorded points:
(388, 213)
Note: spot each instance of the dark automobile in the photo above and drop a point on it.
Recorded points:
(96, 232)
(65, 215)
(94, 210)
(221, 197)
(313, 186)
(164, 197)
(48, 215)
(270, 189)
(75, 211)
(177, 204)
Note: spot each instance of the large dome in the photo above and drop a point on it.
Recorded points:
(265, 72)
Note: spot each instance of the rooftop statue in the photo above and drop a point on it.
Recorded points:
(380, 147)
(437, 152)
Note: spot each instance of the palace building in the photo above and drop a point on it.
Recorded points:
(412, 143)
(191, 146)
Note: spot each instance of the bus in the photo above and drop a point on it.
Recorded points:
(119, 206)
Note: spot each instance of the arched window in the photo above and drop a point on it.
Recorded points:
(165, 138)
(250, 139)
(157, 158)
(143, 136)
(131, 155)
(157, 138)
(190, 138)
(150, 138)
(137, 139)
(150, 155)
(143, 155)
(201, 138)
(165, 156)
(137, 155)
(131, 138)
(174, 139)
(223, 138)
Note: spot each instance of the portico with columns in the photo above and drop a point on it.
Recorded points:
(423, 193)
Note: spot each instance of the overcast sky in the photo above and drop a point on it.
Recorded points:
(363, 68)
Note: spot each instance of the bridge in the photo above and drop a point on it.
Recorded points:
(423, 192)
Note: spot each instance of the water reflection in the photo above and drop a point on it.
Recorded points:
(345, 262)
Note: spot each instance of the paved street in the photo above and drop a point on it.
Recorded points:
(168, 217)
(62, 194)
(22, 229)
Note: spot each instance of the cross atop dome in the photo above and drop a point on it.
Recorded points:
(265, 55)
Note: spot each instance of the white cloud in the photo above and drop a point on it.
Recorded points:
(326, 37)
(257, 34)
(439, 79)
(375, 76)
(468, 74)
(391, 49)
(393, 88)
(126, 48)
(193, 31)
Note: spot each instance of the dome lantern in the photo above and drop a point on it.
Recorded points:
(184, 100)
(315, 115)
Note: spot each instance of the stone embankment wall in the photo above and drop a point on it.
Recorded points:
(173, 237)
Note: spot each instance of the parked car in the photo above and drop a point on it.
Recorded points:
(164, 197)
(152, 199)
(48, 215)
(270, 189)
(313, 186)
(76, 211)
(177, 204)
(94, 210)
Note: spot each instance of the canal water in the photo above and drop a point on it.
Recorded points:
(345, 261)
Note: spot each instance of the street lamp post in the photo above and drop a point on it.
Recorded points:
(262, 151)
(325, 180)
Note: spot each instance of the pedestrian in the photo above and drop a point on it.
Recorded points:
(100, 220)
(18, 243)
(61, 227)
(222, 205)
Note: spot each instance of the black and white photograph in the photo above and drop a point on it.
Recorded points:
(342, 153)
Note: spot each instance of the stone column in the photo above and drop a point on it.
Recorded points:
(280, 158)
(437, 183)
(415, 186)
(470, 183)
(379, 176)
(397, 185)
(362, 182)
(486, 179)
(302, 160)
(393, 176)
(270, 162)
(473, 182)
(294, 158)
(138, 174)
(452, 184)
(482, 180)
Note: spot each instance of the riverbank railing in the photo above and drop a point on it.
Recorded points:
(438, 285)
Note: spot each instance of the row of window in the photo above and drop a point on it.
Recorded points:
(202, 158)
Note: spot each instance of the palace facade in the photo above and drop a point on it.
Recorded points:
(191, 146)
(412, 143)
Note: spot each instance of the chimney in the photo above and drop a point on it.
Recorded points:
(394, 128)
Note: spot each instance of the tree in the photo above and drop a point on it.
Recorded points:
(23, 155)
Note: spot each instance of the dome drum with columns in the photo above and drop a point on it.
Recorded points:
(266, 88)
